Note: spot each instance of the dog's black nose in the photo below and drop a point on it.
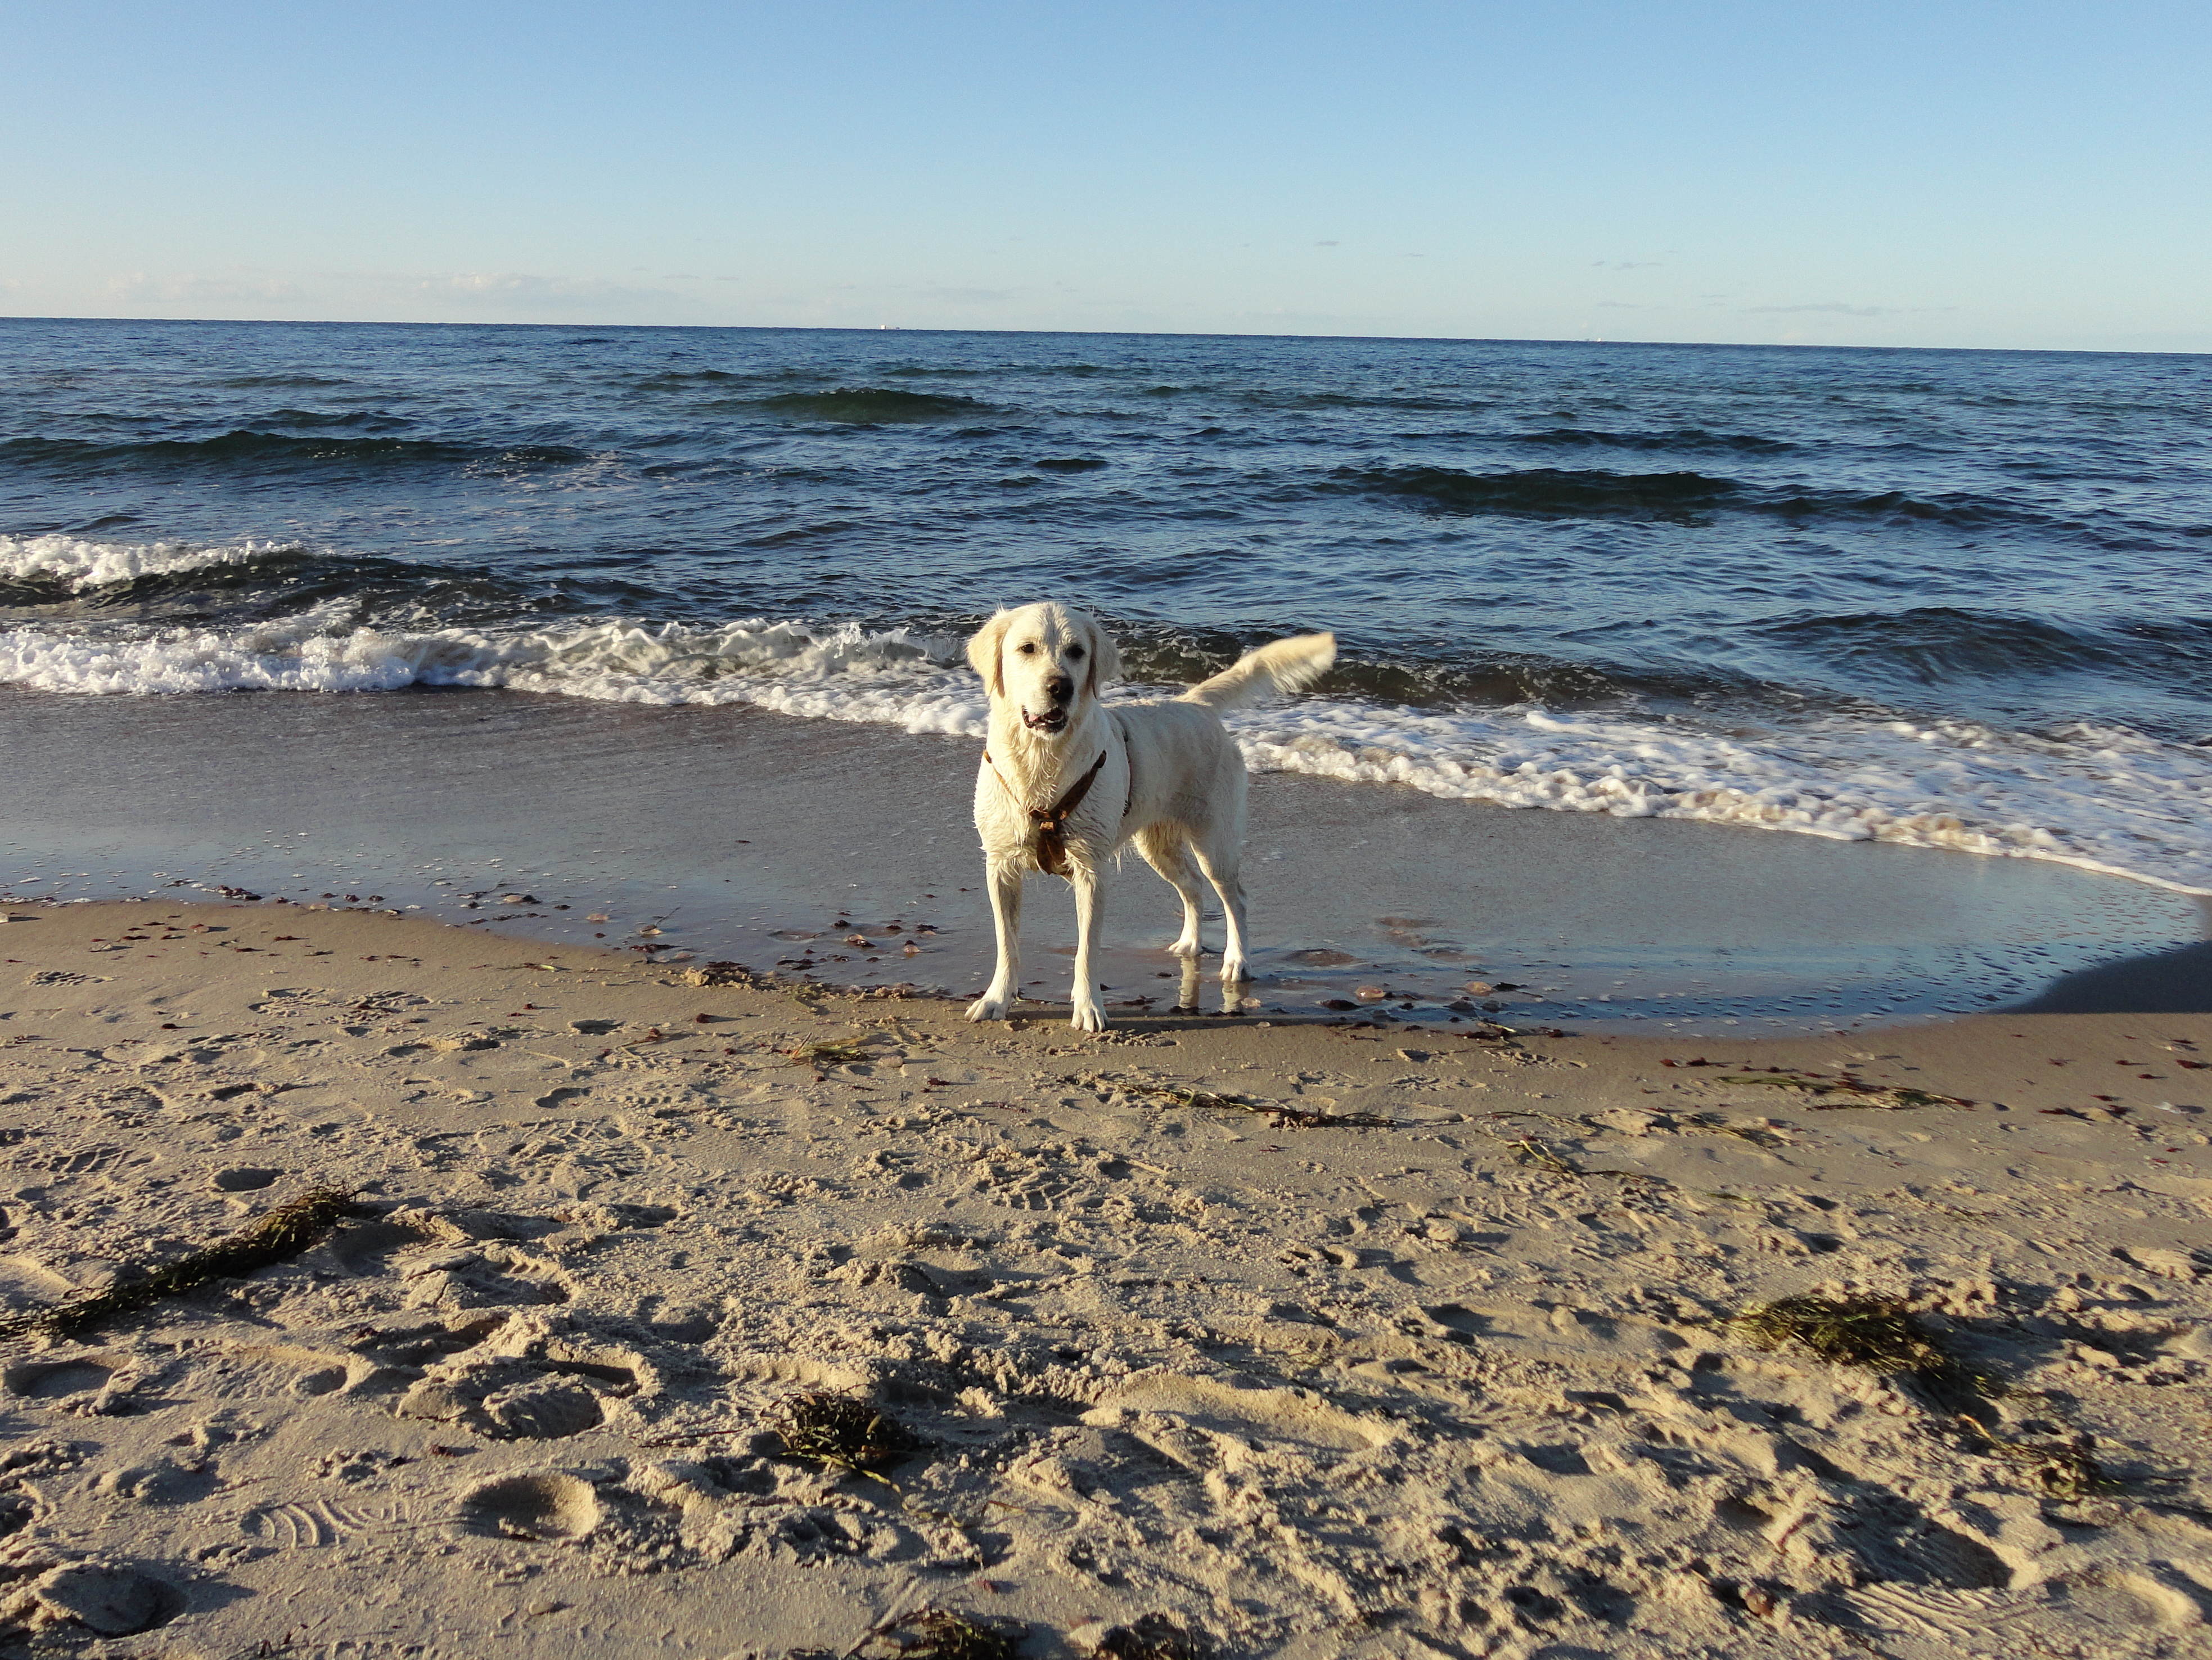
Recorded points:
(1060, 688)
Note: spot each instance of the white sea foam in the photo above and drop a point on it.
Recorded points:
(2103, 800)
(83, 565)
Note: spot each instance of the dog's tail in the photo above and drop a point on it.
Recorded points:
(1280, 666)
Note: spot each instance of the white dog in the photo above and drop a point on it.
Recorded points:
(1067, 781)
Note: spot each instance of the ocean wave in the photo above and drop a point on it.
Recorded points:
(1683, 438)
(1565, 493)
(1939, 643)
(76, 566)
(2100, 798)
(676, 380)
(795, 667)
(864, 405)
(353, 420)
(252, 382)
(1548, 492)
(1173, 657)
(257, 448)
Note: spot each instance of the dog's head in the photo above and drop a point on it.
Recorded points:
(1043, 661)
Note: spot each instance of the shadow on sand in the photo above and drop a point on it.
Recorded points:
(2172, 983)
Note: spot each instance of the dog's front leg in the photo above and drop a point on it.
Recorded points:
(1090, 884)
(1006, 913)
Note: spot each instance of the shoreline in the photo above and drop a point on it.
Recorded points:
(731, 831)
(1314, 1338)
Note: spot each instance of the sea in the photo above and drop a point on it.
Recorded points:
(1953, 601)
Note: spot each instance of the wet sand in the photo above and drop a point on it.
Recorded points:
(751, 837)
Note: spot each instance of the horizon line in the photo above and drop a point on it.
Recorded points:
(1165, 334)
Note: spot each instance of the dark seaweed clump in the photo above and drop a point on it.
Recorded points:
(836, 1429)
(1875, 1333)
(277, 1238)
(941, 1634)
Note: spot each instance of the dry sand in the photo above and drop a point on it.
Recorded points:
(1461, 1384)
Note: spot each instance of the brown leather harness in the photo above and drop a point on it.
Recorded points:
(1052, 822)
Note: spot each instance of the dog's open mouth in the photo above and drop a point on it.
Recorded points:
(1051, 721)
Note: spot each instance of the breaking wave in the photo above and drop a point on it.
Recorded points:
(69, 563)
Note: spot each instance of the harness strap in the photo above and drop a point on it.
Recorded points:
(1052, 822)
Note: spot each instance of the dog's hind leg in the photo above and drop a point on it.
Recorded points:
(1006, 914)
(1090, 884)
(1220, 865)
(1167, 851)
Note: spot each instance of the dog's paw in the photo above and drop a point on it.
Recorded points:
(1232, 971)
(987, 1007)
(1187, 947)
(1088, 1016)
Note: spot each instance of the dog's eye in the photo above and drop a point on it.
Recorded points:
(1074, 652)
(1026, 651)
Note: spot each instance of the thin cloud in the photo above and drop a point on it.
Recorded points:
(962, 296)
(429, 297)
(1836, 307)
(1626, 264)
(509, 287)
(142, 288)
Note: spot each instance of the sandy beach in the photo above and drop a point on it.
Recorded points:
(1240, 1337)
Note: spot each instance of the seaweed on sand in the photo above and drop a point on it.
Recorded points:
(1530, 1151)
(835, 1429)
(824, 1054)
(1279, 1113)
(1714, 1123)
(1875, 1333)
(938, 1634)
(1879, 1334)
(282, 1234)
(1857, 1091)
(1155, 1637)
(2064, 1473)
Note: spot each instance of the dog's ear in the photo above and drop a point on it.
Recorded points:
(1105, 656)
(983, 653)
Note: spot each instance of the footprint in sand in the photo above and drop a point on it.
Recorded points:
(426, 1345)
(108, 1600)
(535, 1508)
(365, 1252)
(525, 1400)
(1581, 1335)
(24, 1284)
(269, 1371)
(1261, 1414)
(2125, 1608)
(544, 1409)
(313, 1526)
(59, 1380)
(476, 1280)
(159, 1482)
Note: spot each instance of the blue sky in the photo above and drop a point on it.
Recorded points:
(2021, 175)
